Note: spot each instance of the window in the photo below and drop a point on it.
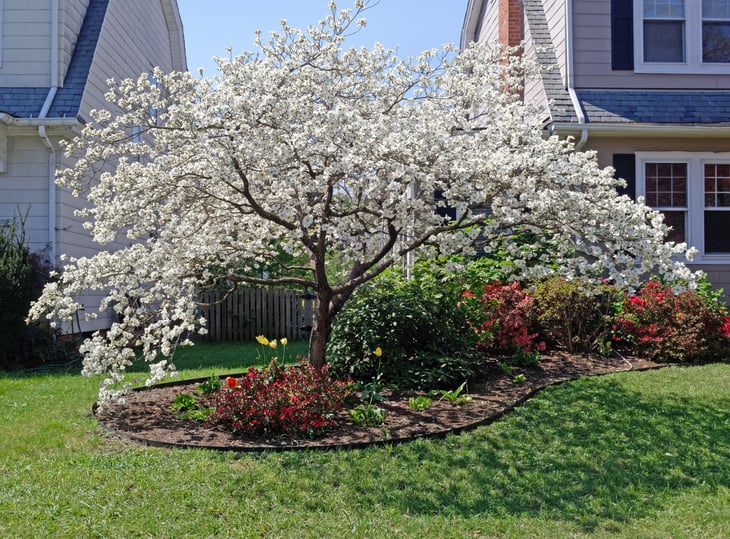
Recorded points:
(682, 36)
(692, 190)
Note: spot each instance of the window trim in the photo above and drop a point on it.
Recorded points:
(695, 225)
(693, 45)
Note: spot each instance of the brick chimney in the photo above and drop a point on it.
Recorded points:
(510, 22)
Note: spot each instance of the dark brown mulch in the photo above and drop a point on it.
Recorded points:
(148, 418)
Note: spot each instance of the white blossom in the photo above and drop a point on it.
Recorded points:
(323, 152)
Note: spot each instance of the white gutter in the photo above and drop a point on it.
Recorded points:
(52, 224)
(569, 71)
(643, 130)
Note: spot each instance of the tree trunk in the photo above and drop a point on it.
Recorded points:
(320, 333)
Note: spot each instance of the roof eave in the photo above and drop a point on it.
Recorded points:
(642, 130)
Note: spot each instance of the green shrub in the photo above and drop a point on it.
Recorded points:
(576, 316)
(417, 325)
(22, 277)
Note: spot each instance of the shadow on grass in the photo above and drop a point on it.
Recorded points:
(588, 451)
(222, 357)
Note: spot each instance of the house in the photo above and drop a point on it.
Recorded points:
(646, 85)
(55, 59)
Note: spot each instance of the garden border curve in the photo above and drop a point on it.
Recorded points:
(271, 447)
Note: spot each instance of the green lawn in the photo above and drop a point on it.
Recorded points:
(643, 454)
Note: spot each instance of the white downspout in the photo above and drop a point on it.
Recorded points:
(570, 75)
(44, 136)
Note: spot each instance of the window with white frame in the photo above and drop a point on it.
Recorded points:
(692, 190)
(682, 36)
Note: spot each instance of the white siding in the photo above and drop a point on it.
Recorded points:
(26, 41)
(137, 27)
(25, 187)
(71, 18)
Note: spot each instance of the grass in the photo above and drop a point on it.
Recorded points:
(641, 454)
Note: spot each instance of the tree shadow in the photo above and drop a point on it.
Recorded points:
(588, 452)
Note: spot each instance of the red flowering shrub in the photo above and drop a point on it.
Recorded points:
(663, 326)
(502, 318)
(297, 401)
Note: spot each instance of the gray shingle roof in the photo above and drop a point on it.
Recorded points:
(655, 106)
(27, 102)
(560, 103)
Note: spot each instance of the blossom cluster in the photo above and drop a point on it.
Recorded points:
(309, 151)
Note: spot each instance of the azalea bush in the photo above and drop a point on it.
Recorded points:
(576, 316)
(307, 151)
(503, 317)
(662, 325)
(298, 401)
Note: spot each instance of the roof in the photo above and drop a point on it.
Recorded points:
(27, 102)
(655, 106)
(559, 100)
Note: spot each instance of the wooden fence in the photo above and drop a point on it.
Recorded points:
(243, 314)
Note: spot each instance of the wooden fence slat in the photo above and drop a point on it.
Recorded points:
(243, 314)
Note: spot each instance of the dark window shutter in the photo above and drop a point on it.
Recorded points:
(446, 211)
(625, 166)
(622, 35)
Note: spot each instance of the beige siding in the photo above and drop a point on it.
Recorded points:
(555, 14)
(592, 56)
(26, 41)
(534, 89)
(607, 146)
(488, 26)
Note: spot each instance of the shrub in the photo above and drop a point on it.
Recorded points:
(663, 326)
(297, 401)
(22, 276)
(503, 319)
(417, 325)
(576, 316)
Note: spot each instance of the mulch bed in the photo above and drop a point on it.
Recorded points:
(147, 416)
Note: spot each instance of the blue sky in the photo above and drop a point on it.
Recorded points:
(211, 26)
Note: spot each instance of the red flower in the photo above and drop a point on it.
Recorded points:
(231, 382)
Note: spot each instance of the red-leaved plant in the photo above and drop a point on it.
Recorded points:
(663, 326)
(502, 318)
(298, 401)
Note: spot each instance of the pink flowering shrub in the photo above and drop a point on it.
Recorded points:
(663, 326)
(297, 401)
(503, 318)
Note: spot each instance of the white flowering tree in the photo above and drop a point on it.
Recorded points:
(308, 155)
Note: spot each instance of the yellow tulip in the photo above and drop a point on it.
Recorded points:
(284, 341)
(262, 340)
(272, 344)
(378, 351)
